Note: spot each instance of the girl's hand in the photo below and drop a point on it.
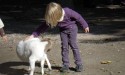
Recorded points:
(87, 30)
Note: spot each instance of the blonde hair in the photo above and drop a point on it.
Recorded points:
(53, 14)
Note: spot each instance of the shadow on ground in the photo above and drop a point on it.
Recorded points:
(7, 68)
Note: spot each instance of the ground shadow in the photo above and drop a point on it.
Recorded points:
(7, 68)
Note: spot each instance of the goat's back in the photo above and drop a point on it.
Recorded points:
(30, 47)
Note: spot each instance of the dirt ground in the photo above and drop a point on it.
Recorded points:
(102, 50)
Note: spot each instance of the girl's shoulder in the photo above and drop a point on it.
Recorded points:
(67, 10)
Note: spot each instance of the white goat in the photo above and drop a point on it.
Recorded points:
(33, 50)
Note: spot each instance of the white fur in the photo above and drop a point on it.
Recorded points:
(32, 50)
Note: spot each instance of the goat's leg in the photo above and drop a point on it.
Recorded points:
(42, 66)
(32, 66)
(48, 63)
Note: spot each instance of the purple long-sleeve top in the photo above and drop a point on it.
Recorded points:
(70, 19)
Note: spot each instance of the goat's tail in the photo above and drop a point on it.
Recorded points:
(21, 53)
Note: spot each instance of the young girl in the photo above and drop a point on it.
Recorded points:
(2, 33)
(65, 19)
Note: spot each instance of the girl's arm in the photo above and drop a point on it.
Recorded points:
(41, 29)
